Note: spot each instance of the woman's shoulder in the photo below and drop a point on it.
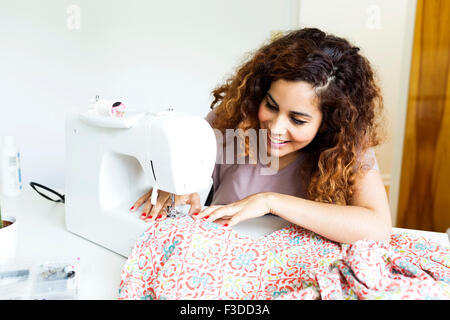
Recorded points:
(369, 160)
(210, 116)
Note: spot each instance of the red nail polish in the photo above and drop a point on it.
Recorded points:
(196, 213)
(158, 217)
(225, 225)
(143, 214)
(132, 208)
(206, 217)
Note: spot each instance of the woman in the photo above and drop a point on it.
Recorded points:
(316, 97)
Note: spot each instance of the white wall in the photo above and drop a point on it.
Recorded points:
(383, 29)
(150, 54)
(156, 54)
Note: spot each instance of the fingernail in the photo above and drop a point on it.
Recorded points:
(143, 214)
(196, 213)
(225, 225)
(158, 217)
(206, 217)
(132, 208)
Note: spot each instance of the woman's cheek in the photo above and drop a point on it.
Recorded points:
(303, 137)
(263, 115)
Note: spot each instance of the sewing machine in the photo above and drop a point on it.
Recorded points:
(111, 162)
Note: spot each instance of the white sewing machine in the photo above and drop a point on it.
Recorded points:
(111, 162)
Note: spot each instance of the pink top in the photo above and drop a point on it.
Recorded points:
(233, 182)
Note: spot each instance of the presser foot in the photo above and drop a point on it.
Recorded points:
(172, 212)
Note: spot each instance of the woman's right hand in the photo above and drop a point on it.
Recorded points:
(158, 211)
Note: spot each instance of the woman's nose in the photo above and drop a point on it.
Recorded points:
(278, 126)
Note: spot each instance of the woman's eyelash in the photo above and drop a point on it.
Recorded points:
(274, 108)
(298, 121)
(270, 106)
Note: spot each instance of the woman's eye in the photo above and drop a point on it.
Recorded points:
(271, 107)
(296, 121)
(274, 109)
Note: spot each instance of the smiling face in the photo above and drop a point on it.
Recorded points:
(291, 116)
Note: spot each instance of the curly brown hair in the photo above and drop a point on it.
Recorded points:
(348, 97)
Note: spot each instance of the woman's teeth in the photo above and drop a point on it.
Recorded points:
(277, 141)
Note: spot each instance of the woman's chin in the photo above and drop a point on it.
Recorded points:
(275, 152)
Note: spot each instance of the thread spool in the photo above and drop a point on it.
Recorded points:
(105, 108)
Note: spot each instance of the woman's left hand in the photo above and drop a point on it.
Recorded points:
(253, 206)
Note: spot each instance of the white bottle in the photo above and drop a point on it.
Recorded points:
(11, 174)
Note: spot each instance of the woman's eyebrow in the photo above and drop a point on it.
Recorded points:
(293, 112)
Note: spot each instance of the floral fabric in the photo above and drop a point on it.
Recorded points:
(192, 259)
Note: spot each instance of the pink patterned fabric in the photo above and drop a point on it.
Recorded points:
(192, 259)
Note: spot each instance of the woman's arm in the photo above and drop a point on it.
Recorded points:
(367, 217)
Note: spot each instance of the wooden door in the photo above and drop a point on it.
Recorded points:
(424, 198)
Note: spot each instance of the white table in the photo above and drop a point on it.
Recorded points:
(42, 235)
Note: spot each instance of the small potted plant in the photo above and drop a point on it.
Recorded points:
(8, 237)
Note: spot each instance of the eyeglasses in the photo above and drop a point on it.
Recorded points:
(47, 193)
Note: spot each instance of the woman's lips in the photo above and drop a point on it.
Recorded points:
(277, 144)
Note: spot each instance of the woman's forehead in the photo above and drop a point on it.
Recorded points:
(296, 96)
